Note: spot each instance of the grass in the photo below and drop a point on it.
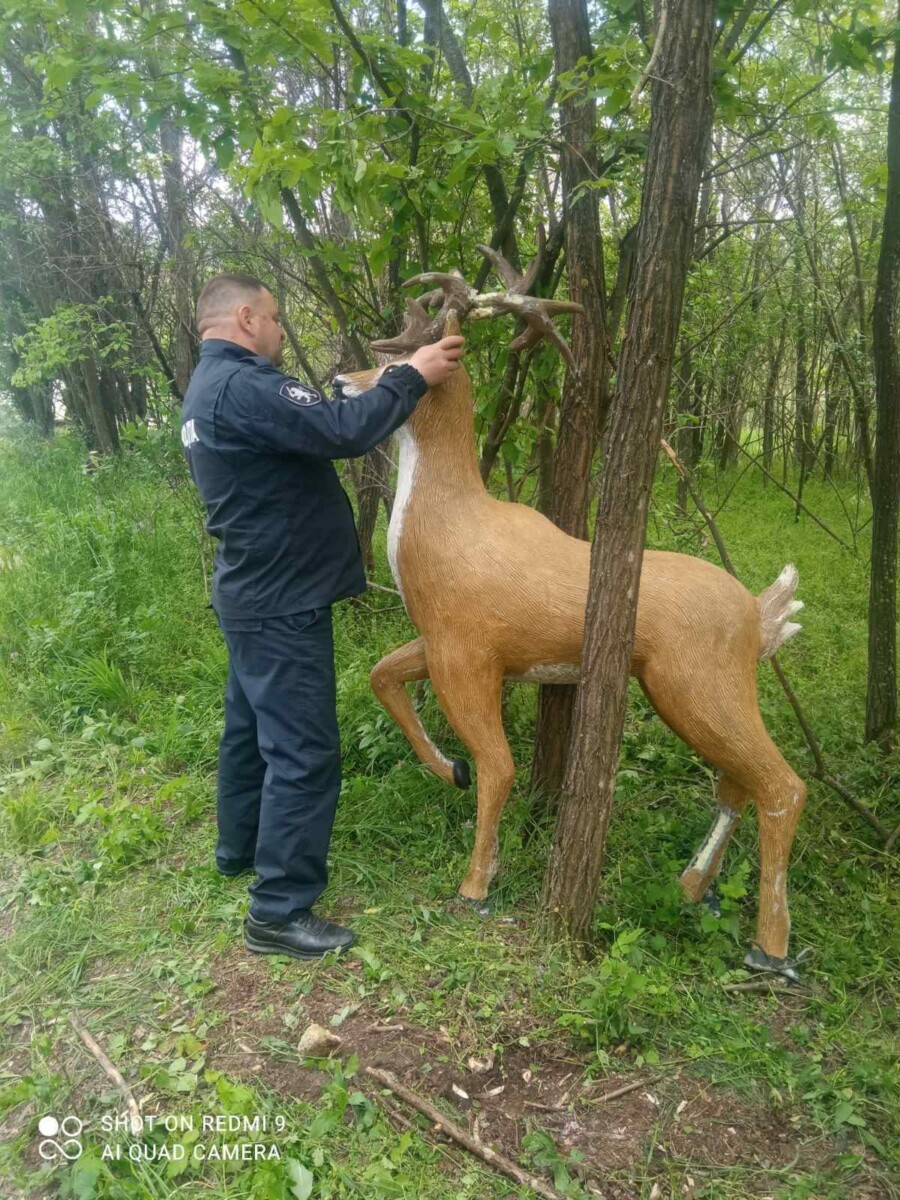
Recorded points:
(111, 675)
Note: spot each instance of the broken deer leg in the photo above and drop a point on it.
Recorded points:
(701, 872)
(389, 679)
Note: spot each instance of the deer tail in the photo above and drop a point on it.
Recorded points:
(776, 606)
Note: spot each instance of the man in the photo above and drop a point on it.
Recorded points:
(259, 445)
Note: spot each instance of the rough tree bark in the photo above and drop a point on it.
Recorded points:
(881, 694)
(585, 395)
(769, 404)
(681, 112)
(185, 357)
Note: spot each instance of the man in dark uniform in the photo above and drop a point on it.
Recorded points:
(260, 445)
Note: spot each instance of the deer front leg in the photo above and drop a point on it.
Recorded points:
(389, 679)
(469, 692)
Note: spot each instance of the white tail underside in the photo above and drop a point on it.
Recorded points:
(776, 606)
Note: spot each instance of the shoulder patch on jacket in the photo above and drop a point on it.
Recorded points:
(299, 394)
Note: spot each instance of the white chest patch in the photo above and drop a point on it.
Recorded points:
(406, 473)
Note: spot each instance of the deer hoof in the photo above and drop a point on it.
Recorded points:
(481, 908)
(788, 968)
(710, 901)
(462, 774)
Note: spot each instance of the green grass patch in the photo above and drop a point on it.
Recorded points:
(111, 677)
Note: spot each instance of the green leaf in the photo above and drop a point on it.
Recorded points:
(224, 148)
(301, 1178)
(84, 1175)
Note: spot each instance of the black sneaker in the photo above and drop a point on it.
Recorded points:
(306, 936)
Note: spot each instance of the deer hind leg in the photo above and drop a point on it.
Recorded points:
(700, 874)
(469, 692)
(777, 827)
(716, 712)
(389, 679)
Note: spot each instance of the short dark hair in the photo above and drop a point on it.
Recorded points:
(222, 292)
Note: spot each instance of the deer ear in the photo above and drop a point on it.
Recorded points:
(451, 324)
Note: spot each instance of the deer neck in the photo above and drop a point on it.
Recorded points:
(437, 444)
(437, 474)
(441, 467)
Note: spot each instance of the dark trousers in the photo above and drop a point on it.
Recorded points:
(279, 758)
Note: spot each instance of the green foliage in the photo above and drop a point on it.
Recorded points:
(72, 333)
(625, 985)
(543, 1152)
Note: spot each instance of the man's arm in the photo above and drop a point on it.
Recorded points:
(287, 415)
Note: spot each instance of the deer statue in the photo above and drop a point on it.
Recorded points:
(497, 592)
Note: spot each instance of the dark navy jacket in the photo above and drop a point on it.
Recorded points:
(259, 446)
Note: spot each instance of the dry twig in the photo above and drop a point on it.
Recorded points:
(498, 1161)
(625, 1089)
(112, 1072)
(772, 984)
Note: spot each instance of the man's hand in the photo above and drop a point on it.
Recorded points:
(437, 362)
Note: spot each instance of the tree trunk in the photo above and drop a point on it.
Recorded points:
(681, 113)
(544, 452)
(185, 357)
(374, 486)
(830, 418)
(585, 395)
(691, 407)
(506, 413)
(881, 694)
(801, 396)
(732, 415)
(860, 408)
(102, 432)
(769, 406)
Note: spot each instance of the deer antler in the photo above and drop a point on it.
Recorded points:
(536, 312)
(420, 329)
(457, 296)
(520, 284)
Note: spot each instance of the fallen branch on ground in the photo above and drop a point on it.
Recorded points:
(112, 1072)
(498, 1161)
(625, 1089)
(773, 984)
(379, 587)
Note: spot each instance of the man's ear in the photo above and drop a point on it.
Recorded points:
(245, 317)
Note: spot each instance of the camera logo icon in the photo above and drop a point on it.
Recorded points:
(60, 1139)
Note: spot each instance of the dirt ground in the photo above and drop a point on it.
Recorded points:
(672, 1119)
